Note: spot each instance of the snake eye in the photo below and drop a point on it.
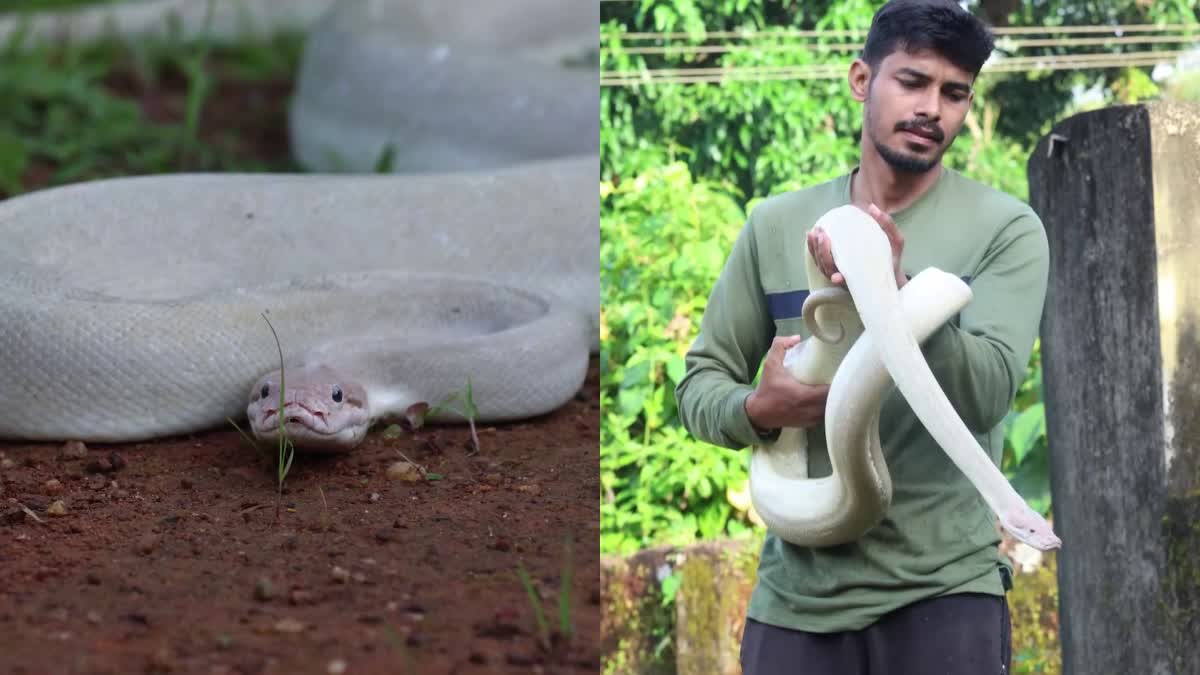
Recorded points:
(337, 394)
(266, 389)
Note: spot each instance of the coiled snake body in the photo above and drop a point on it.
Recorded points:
(131, 308)
(866, 337)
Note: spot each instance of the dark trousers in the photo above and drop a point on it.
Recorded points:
(963, 634)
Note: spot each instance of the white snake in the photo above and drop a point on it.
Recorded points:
(875, 345)
(130, 308)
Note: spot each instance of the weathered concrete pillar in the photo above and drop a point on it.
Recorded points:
(637, 624)
(715, 582)
(1119, 192)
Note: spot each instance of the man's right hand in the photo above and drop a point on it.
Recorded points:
(781, 401)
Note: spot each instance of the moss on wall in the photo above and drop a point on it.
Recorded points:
(1034, 606)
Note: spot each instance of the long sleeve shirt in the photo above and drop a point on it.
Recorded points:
(938, 536)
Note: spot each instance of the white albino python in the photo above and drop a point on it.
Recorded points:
(876, 345)
(131, 308)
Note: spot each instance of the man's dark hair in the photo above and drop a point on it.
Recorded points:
(940, 25)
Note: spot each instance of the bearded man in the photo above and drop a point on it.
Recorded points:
(924, 591)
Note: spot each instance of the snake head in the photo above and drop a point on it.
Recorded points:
(322, 410)
(1029, 527)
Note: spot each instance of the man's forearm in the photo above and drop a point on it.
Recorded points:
(712, 408)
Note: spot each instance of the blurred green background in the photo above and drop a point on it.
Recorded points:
(76, 110)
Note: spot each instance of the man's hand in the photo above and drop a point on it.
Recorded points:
(818, 246)
(781, 401)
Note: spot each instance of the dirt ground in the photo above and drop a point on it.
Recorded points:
(169, 557)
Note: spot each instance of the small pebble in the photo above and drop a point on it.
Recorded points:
(340, 575)
(374, 497)
(73, 450)
(102, 465)
(301, 597)
(147, 544)
(289, 626)
(406, 471)
(7, 463)
(93, 617)
(53, 486)
(336, 667)
(58, 508)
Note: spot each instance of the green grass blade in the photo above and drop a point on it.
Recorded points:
(564, 594)
(538, 614)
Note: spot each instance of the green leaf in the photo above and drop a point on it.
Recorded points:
(676, 368)
(1032, 481)
(1025, 429)
(630, 401)
(669, 586)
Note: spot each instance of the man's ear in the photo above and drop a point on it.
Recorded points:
(859, 79)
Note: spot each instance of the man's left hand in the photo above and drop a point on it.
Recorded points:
(819, 247)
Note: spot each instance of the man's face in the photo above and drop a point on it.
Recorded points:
(914, 107)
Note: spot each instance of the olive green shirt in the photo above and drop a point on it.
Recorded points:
(938, 536)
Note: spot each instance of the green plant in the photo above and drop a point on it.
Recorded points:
(1026, 461)
(199, 85)
(468, 411)
(565, 628)
(113, 107)
(664, 237)
(539, 614)
(286, 450)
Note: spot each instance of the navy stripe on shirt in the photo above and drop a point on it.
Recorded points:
(790, 304)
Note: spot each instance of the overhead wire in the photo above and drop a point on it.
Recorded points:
(858, 32)
(681, 50)
(836, 71)
(752, 43)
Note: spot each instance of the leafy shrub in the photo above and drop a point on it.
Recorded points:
(664, 239)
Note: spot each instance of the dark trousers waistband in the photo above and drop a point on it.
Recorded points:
(962, 634)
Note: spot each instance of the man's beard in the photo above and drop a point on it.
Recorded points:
(902, 162)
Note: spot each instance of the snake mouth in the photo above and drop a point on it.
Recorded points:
(297, 416)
